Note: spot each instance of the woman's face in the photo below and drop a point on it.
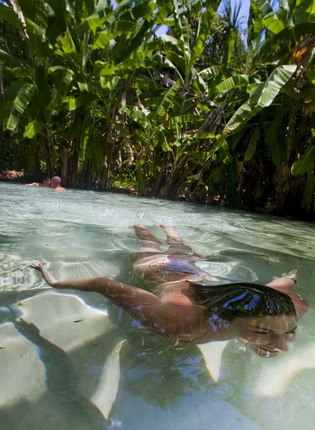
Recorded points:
(267, 335)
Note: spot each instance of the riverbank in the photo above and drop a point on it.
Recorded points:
(219, 201)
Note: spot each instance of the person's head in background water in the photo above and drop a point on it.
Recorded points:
(44, 182)
(55, 183)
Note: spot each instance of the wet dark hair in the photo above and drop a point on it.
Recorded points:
(242, 299)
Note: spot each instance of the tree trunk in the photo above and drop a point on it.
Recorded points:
(64, 165)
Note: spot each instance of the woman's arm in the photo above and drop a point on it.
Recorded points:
(140, 304)
(120, 294)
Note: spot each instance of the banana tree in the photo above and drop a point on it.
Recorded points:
(81, 61)
(279, 88)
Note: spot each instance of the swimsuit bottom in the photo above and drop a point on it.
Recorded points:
(169, 267)
(180, 264)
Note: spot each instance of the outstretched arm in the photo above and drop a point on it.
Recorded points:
(140, 304)
(125, 296)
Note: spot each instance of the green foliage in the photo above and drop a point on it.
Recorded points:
(19, 97)
(92, 92)
(261, 96)
(306, 163)
(232, 82)
(251, 149)
(32, 128)
(8, 15)
(167, 100)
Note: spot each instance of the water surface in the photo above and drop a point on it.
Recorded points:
(73, 361)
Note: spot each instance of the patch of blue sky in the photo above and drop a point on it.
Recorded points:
(161, 30)
(242, 5)
(239, 10)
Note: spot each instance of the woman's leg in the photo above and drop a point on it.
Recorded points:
(149, 249)
(147, 241)
(175, 242)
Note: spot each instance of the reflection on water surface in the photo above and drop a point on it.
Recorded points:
(74, 361)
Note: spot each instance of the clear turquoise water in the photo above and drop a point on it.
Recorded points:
(72, 361)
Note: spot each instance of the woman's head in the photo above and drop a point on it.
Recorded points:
(266, 335)
(261, 316)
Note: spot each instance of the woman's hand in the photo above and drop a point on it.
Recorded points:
(46, 275)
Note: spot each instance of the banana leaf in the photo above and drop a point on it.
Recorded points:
(32, 128)
(8, 15)
(19, 96)
(260, 97)
(306, 163)
(167, 99)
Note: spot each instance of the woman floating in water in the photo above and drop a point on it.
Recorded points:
(45, 182)
(191, 306)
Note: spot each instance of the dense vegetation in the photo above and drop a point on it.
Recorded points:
(90, 92)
